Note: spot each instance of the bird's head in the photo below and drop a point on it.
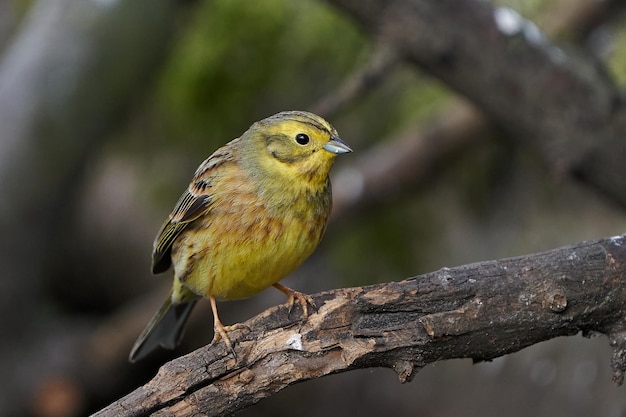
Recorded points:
(297, 144)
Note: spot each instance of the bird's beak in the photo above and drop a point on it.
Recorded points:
(336, 145)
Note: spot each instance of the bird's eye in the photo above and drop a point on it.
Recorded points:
(302, 138)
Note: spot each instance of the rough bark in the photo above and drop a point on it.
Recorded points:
(479, 311)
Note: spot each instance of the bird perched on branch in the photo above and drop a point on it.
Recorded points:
(253, 212)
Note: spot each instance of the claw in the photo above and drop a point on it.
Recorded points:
(292, 295)
(221, 331)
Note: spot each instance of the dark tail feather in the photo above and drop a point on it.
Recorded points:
(165, 329)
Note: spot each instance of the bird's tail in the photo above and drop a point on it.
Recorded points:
(165, 329)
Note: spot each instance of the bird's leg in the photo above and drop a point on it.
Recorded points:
(291, 297)
(221, 331)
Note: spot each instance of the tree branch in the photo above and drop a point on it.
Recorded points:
(380, 62)
(560, 100)
(414, 157)
(388, 170)
(479, 311)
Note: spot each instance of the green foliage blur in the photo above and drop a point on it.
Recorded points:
(239, 61)
(616, 59)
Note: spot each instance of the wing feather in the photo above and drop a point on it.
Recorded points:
(190, 206)
(196, 201)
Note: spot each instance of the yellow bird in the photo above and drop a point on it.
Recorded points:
(253, 212)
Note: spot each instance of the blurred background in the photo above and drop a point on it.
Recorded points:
(106, 109)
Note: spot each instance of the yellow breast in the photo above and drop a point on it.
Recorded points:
(245, 246)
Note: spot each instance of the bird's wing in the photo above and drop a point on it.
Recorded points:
(196, 201)
(190, 206)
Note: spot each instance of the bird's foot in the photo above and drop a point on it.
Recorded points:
(304, 299)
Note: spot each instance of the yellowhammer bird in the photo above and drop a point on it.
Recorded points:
(253, 212)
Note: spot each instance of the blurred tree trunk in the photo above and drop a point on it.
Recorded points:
(559, 100)
(67, 79)
(8, 21)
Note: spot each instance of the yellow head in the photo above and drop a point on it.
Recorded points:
(297, 145)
